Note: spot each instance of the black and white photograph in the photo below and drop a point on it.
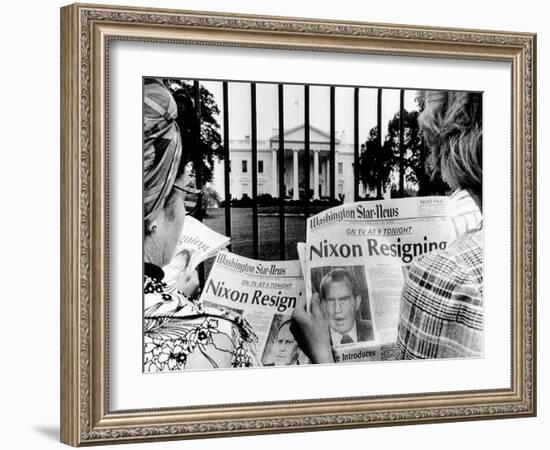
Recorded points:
(387, 179)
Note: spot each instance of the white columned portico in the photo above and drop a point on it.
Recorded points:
(315, 175)
(295, 185)
(274, 174)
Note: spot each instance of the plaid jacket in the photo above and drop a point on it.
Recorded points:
(442, 303)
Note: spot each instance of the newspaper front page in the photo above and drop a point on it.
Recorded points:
(356, 259)
(196, 244)
(265, 293)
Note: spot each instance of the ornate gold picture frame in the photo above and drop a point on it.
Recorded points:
(87, 31)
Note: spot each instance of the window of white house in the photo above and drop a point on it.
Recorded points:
(340, 168)
(244, 166)
(260, 166)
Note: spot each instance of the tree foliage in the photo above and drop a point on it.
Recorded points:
(375, 163)
(380, 168)
(204, 150)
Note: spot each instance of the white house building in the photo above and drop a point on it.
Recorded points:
(294, 166)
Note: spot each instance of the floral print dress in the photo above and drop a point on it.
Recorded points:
(181, 333)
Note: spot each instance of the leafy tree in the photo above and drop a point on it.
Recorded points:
(201, 149)
(379, 167)
(210, 199)
(375, 163)
(415, 155)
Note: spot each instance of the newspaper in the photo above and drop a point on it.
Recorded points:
(264, 293)
(356, 259)
(196, 244)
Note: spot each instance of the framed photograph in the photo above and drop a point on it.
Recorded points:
(275, 224)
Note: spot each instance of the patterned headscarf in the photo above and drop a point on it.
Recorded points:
(162, 146)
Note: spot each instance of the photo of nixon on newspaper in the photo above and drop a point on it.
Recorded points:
(356, 255)
(344, 299)
(289, 224)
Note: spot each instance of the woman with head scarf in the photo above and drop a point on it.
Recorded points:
(180, 332)
(441, 313)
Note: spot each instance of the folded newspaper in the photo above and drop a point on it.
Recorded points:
(265, 293)
(356, 259)
(196, 244)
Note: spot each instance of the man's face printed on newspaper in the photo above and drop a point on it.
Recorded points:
(340, 306)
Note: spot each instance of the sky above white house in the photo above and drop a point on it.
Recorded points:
(267, 108)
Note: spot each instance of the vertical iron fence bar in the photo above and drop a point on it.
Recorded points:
(356, 144)
(254, 143)
(332, 156)
(197, 132)
(198, 170)
(423, 179)
(307, 175)
(401, 143)
(282, 244)
(226, 162)
(379, 146)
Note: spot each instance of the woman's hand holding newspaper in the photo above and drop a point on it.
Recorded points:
(311, 331)
(188, 281)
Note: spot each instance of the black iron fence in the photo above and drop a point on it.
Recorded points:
(306, 201)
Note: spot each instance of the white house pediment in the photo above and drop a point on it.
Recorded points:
(297, 134)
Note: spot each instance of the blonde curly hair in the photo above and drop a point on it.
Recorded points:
(452, 126)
